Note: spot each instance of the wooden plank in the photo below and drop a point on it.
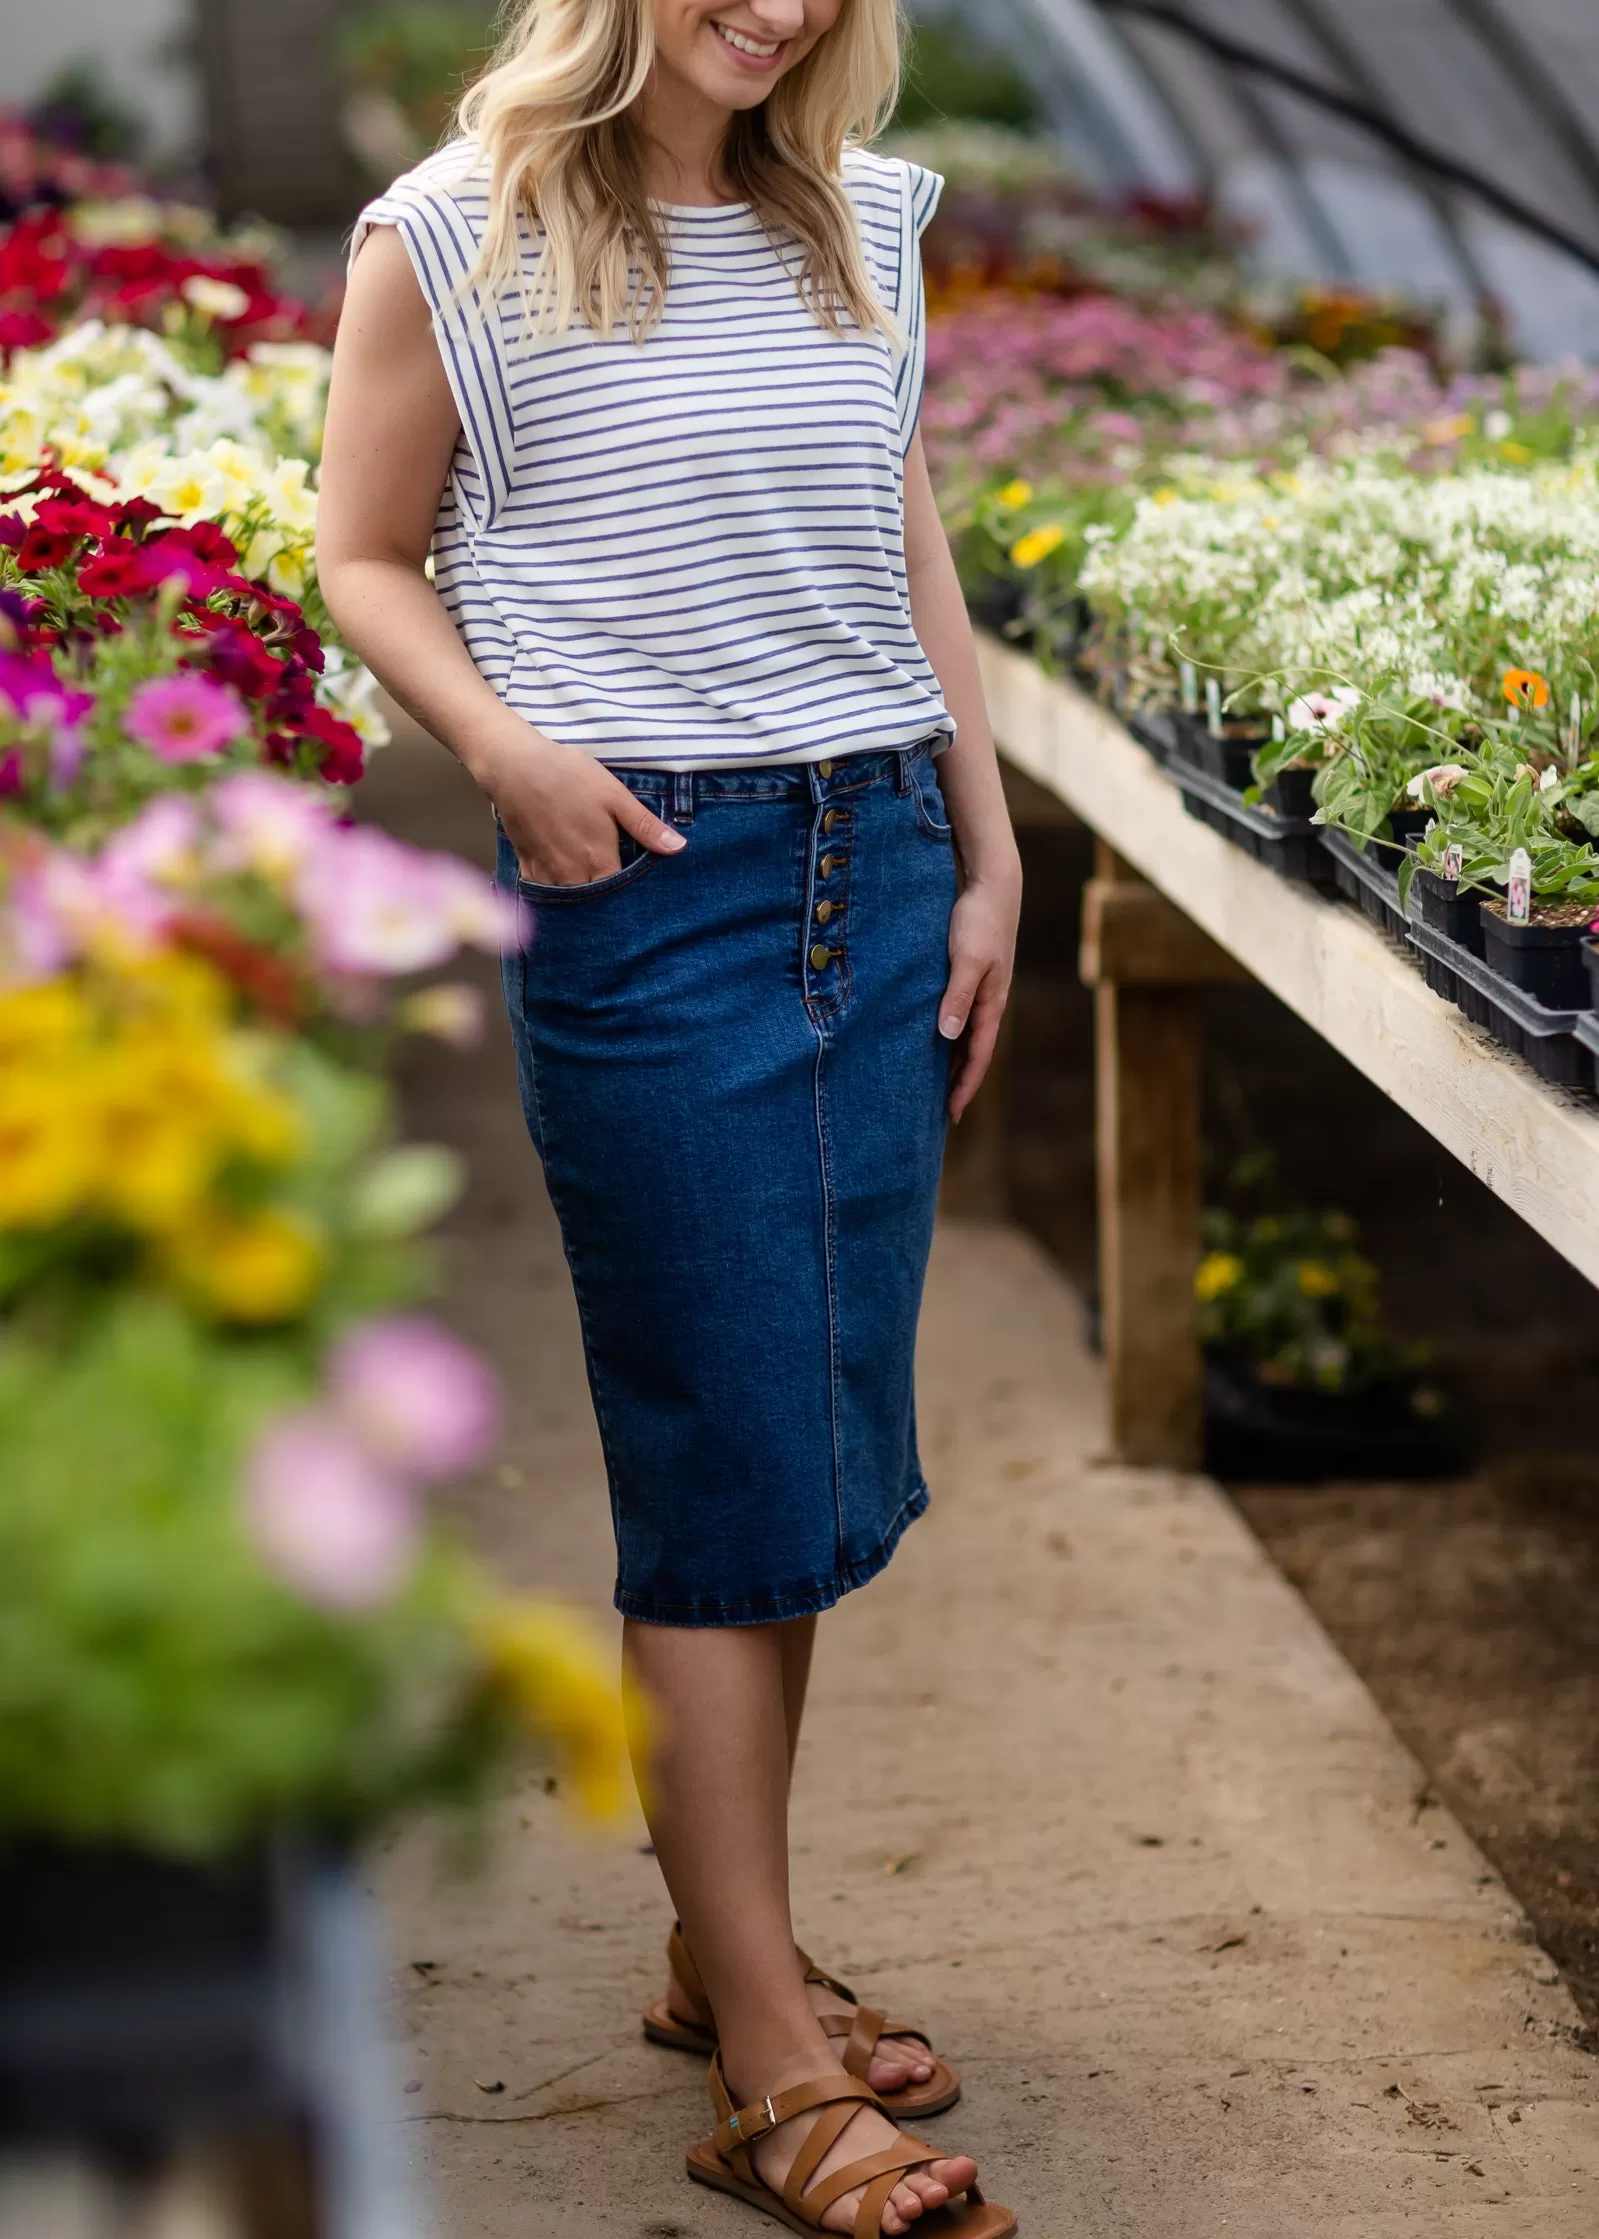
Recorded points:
(1133, 935)
(1535, 1146)
(1147, 1071)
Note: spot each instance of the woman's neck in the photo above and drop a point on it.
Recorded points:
(684, 139)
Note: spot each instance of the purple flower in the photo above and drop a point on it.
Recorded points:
(326, 1515)
(186, 718)
(416, 1395)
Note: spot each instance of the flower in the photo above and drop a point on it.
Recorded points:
(1016, 494)
(256, 1268)
(1321, 712)
(555, 1672)
(453, 1013)
(186, 718)
(1525, 688)
(1443, 777)
(326, 1515)
(1315, 1279)
(415, 1395)
(1219, 1273)
(1037, 545)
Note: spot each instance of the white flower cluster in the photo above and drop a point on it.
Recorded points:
(99, 391)
(1365, 575)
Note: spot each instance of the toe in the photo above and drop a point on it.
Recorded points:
(927, 2189)
(907, 2202)
(955, 2174)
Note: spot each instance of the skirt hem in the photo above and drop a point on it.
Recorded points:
(780, 1609)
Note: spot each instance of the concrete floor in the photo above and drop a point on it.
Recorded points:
(1085, 1787)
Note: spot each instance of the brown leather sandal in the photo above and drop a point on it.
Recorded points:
(723, 2161)
(861, 2030)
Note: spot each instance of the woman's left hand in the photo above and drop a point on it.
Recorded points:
(982, 956)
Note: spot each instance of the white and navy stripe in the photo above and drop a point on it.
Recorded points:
(689, 552)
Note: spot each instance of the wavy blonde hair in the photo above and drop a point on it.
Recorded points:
(556, 114)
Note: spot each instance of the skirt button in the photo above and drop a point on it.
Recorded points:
(829, 820)
(824, 911)
(821, 955)
(824, 769)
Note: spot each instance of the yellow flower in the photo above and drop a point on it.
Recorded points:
(50, 1016)
(47, 1155)
(1165, 496)
(1016, 493)
(554, 1670)
(250, 1267)
(1219, 1273)
(1037, 545)
(189, 489)
(1518, 454)
(1315, 1279)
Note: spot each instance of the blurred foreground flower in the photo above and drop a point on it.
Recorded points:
(419, 1398)
(329, 1519)
(551, 1666)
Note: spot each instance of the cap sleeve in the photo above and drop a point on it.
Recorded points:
(440, 211)
(920, 193)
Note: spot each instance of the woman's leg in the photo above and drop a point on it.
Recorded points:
(717, 1799)
(798, 1646)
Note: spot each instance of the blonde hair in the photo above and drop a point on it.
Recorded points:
(556, 116)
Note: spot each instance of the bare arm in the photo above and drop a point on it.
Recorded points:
(392, 429)
(982, 933)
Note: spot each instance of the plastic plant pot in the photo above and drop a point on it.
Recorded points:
(1439, 902)
(1545, 961)
(1590, 959)
(1289, 793)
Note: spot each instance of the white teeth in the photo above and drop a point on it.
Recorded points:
(746, 45)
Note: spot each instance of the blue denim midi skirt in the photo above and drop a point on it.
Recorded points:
(732, 1073)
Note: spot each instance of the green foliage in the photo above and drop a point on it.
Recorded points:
(1500, 802)
(1288, 1292)
(421, 53)
(156, 1684)
(952, 73)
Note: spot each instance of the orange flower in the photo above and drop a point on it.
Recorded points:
(1525, 688)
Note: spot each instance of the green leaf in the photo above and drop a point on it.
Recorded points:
(406, 1191)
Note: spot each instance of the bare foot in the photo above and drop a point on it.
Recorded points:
(898, 2061)
(919, 2192)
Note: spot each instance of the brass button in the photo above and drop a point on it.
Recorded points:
(821, 956)
(830, 864)
(829, 820)
(824, 911)
(824, 769)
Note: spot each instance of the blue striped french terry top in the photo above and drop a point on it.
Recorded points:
(687, 552)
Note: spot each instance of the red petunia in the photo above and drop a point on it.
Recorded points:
(120, 573)
(75, 517)
(41, 549)
(344, 753)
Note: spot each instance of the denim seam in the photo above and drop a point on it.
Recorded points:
(810, 1600)
(830, 1259)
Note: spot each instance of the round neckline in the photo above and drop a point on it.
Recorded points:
(700, 209)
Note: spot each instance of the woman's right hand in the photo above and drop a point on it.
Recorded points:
(562, 811)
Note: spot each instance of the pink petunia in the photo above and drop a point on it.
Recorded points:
(417, 1396)
(326, 1515)
(186, 718)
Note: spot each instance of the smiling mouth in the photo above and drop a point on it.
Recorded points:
(746, 44)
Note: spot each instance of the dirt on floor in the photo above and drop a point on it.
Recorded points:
(1471, 1609)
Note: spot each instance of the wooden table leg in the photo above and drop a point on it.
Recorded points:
(1147, 964)
(1147, 1052)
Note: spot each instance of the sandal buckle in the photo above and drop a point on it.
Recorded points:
(758, 2128)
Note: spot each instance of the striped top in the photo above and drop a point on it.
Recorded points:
(688, 552)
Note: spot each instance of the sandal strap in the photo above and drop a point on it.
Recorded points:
(681, 1961)
(740, 2128)
(891, 2163)
(816, 1974)
(864, 2030)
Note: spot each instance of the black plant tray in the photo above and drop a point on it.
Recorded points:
(1546, 1039)
(1365, 879)
(1260, 1433)
(1289, 845)
(1587, 1033)
(1153, 729)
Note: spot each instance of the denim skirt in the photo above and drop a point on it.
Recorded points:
(733, 1075)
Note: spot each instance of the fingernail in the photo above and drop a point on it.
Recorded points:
(672, 841)
(950, 1027)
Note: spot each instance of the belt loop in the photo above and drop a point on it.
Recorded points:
(902, 773)
(682, 796)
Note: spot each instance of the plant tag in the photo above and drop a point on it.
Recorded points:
(1518, 907)
(1454, 860)
(1574, 743)
(1188, 678)
(1279, 730)
(1213, 705)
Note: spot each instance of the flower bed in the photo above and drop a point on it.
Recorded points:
(225, 1608)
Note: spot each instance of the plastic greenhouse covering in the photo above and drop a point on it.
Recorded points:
(1448, 146)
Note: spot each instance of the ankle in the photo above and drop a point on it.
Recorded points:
(773, 2054)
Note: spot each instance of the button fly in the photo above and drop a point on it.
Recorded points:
(830, 864)
(824, 911)
(821, 956)
(824, 769)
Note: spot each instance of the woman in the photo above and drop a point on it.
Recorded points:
(638, 359)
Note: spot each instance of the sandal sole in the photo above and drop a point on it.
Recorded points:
(961, 2220)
